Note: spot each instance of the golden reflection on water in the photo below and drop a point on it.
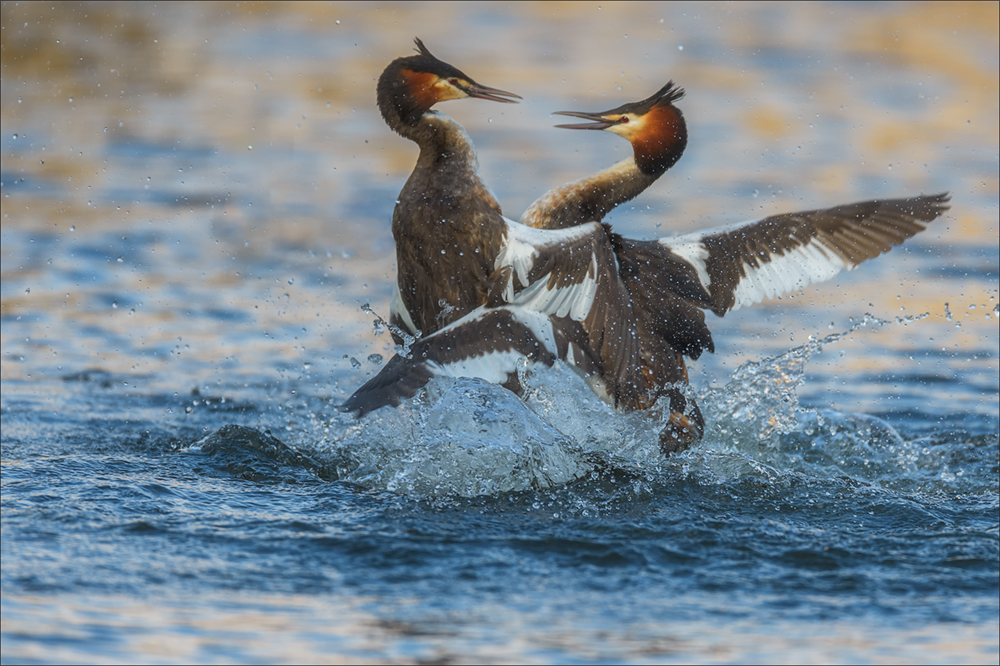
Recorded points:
(296, 628)
(245, 132)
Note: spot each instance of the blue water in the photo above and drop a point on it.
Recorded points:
(845, 526)
(196, 244)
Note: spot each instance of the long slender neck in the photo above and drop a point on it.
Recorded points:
(445, 183)
(588, 199)
(438, 136)
(404, 100)
(442, 138)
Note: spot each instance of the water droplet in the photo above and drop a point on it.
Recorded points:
(114, 306)
(375, 358)
(355, 363)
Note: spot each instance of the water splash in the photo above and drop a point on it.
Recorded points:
(462, 437)
(466, 437)
(761, 400)
(381, 324)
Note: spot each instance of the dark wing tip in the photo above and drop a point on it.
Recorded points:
(939, 203)
(349, 405)
(360, 403)
(924, 208)
(400, 378)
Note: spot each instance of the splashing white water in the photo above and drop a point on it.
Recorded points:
(761, 400)
(462, 437)
(466, 437)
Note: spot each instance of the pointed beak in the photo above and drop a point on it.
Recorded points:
(598, 122)
(492, 94)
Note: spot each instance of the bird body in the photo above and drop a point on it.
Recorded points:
(446, 225)
(624, 312)
(485, 294)
(445, 216)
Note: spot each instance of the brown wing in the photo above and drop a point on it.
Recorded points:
(744, 264)
(488, 343)
(572, 276)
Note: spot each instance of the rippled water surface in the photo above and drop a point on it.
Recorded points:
(196, 204)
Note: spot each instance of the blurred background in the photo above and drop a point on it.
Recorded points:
(187, 187)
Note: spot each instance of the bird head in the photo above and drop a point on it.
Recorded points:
(414, 84)
(654, 126)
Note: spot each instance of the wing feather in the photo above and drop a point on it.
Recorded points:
(740, 265)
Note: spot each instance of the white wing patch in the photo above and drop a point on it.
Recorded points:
(537, 322)
(574, 300)
(520, 249)
(692, 250)
(398, 308)
(495, 366)
(520, 256)
(812, 262)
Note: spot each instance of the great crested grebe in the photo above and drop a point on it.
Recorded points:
(623, 312)
(658, 134)
(445, 216)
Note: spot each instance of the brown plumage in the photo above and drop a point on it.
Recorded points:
(623, 312)
(446, 224)
(658, 134)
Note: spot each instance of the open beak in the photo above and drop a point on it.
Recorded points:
(492, 94)
(598, 122)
